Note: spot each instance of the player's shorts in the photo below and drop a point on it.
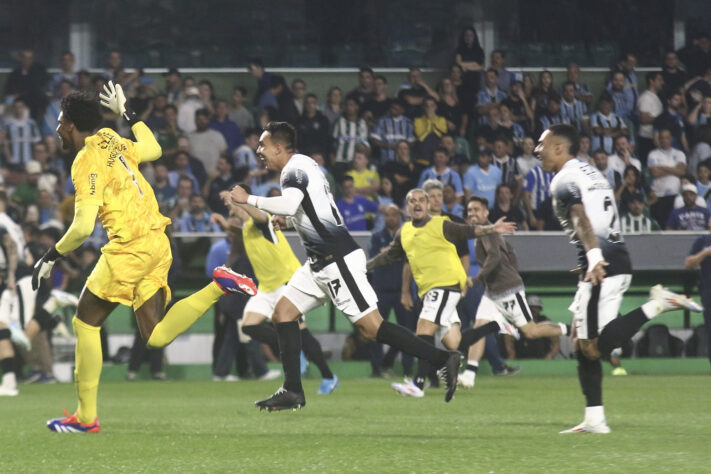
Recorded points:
(595, 306)
(130, 273)
(439, 306)
(264, 303)
(512, 308)
(343, 281)
(18, 307)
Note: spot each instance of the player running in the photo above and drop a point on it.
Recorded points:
(429, 244)
(24, 312)
(335, 268)
(274, 263)
(584, 203)
(133, 267)
(504, 300)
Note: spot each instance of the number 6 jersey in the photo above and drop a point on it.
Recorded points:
(105, 172)
(579, 183)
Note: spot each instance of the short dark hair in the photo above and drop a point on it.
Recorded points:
(202, 111)
(344, 178)
(480, 199)
(83, 110)
(568, 83)
(569, 133)
(366, 69)
(491, 69)
(256, 62)
(251, 131)
(651, 76)
(311, 95)
(599, 150)
(241, 89)
(282, 132)
(382, 78)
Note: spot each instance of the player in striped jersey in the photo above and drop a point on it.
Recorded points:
(585, 206)
(274, 263)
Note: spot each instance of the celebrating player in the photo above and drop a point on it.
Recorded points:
(274, 263)
(428, 244)
(335, 268)
(134, 265)
(505, 297)
(584, 203)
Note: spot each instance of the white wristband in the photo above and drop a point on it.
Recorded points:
(253, 200)
(594, 257)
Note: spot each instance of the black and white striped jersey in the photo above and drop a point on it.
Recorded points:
(579, 183)
(317, 220)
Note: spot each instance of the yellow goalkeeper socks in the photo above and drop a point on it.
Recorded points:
(88, 362)
(183, 314)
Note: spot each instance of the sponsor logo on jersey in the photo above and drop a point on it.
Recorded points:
(92, 184)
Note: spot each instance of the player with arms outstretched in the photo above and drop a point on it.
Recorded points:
(584, 203)
(133, 268)
(335, 268)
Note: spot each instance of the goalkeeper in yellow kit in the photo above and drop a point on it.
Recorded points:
(133, 267)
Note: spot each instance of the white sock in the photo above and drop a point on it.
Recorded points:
(9, 380)
(50, 305)
(563, 328)
(652, 309)
(594, 415)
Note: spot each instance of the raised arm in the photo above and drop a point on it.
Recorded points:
(391, 254)
(293, 188)
(456, 232)
(146, 145)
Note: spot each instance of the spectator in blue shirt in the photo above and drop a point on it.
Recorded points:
(198, 219)
(572, 108)
(229, 129)
(483, 178)
(391, 129)
(489, 96)
(691, 216)
(354, 209)
(536, 189)
(165, 193)
(442, 172)
(451, 203)
(624, 97)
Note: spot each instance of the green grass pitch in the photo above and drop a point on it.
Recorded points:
(505, 424)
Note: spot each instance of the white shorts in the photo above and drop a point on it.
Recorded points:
(18, 307)
(264, 303)
(344, 282)
(595, 306)
(440, 307)
(512, 308)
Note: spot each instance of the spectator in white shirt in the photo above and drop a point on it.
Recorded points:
(649, 107)
(667, 165)
(622, 157)
(602, 165)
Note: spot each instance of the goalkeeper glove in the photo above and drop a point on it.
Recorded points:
(114, 99)
(43, 268)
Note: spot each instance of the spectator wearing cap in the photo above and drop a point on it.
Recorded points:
(482, 178)
(606, 125)
(27, 191)
(187, 109)
(634, 219)
(173, 86)
(489, 96)
(543, 348)
(20, 132)
(690, 216)
(391, 129)
(679, 199)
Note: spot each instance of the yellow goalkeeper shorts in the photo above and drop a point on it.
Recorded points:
(130, 273)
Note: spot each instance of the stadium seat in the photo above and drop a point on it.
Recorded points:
(698, 344)
(657, 341)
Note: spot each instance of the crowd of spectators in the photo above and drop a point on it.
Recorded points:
(474, 129)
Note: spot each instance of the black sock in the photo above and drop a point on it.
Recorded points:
(403, 339)
(471, 335)
(473, 368)
(590, 376)
(620, 330)
(423, 366)
(290, 347)
(7, 365)
(312, 351)
(45, 320)
(263, 332)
